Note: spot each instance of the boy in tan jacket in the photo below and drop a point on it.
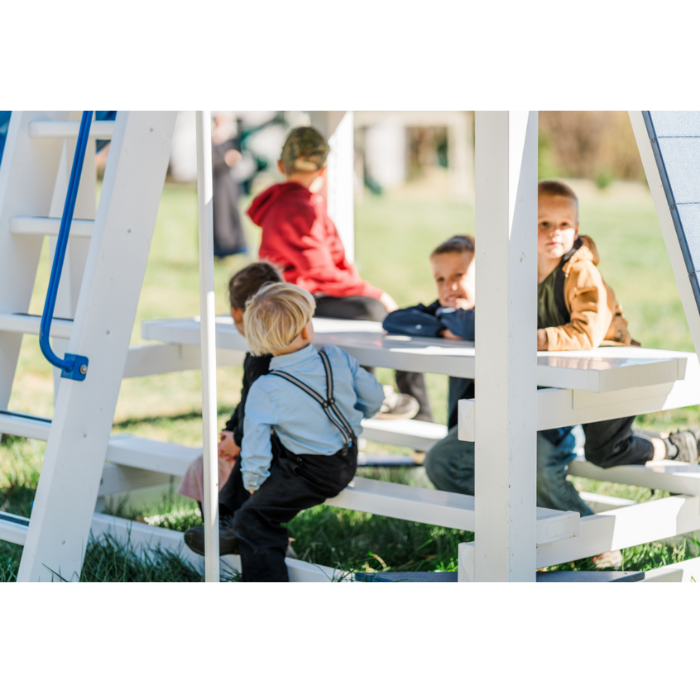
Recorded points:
(577, 310)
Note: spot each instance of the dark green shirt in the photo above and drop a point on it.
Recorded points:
(548, 312)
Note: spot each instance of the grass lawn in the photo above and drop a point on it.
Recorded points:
(395, 233)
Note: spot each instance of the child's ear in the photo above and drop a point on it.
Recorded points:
(280, 165)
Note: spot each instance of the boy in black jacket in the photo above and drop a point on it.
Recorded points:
(242, 286)
(451, 315)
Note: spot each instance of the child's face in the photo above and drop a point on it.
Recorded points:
(454, 277)
(557, 226)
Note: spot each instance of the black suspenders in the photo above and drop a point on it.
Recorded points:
(328, 404)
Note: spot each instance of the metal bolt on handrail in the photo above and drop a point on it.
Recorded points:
(72, 366)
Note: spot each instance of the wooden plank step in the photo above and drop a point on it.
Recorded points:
(30, 324)
(675, 477)
(42, 129)
(411, 503)
(417, 434)
(49, 226)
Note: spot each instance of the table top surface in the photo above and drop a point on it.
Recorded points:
(600, 370)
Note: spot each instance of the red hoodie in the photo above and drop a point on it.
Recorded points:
(299, 237)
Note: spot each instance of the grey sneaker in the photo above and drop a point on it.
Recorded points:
(397, 406)
(687, 443)
(228, 542)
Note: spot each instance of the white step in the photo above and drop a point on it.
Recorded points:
(49, 226)
(13, 528)
(367, 495)
(24, 425)
(417, 434)
(675, 477)
(30, 324)
(69, 129)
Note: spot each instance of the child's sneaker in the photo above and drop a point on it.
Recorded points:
(228, 541)
(397, 406)
(686, 442)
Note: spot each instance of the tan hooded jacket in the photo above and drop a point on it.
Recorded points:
(595, 316)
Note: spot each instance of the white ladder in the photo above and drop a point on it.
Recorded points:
(100, 288)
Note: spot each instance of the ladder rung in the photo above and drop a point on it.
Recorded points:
(30, 324)
(46, 226)
(25, 425)
(69, 129)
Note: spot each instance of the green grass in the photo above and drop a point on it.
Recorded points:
(395, 234)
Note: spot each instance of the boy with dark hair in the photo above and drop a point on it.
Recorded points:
(243, 285)
(301, 239)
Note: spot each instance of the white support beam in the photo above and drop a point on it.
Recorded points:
(77, 445)
(506, 360)
(146, 360)
(558, 408)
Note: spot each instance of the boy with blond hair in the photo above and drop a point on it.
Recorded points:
(300, 429)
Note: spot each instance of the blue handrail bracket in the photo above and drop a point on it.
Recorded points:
(71, 366)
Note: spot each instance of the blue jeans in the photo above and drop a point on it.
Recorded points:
(450, 466)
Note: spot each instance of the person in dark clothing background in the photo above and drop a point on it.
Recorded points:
(229, 238)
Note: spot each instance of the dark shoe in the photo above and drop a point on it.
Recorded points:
(397, 406)
(687, 443)
(228, 542)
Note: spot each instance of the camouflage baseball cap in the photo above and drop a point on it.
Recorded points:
(305, 150)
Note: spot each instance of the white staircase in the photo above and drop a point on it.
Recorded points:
(100, 286)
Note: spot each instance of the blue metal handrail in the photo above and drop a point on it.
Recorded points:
(72, 366)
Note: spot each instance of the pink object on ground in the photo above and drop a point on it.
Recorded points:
(192, 484)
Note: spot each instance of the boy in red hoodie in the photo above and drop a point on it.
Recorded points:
(300, 238)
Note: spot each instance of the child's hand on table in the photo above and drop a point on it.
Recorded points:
(228, 449)
(542, 342)
(447, 333)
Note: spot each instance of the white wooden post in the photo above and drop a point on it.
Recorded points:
(82, 421)
(338, 128)
(208, 342)
(506, 326)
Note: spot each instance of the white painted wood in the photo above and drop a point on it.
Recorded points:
(667, 475)
(600, 370)
(139, 536)
(557, 408)
(625, 527)
(24, 323)
(57, 129)
(48, 226)
(27, 178)
(420, 435)
(667, 228)
(146, 360)
(207, 303)
(117, 479)
(340, 182)
(506, 367)
(77, 444)
(466, 557)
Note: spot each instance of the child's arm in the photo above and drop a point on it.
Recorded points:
(370, 393)
(460, 322)
(256, 453)
(590, 314)
(415, 320)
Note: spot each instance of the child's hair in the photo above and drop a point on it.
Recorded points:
(275, 316)
(305, 150)
(459, 243)
(248, 280)
(554, 188)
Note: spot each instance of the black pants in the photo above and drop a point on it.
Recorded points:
(370, 309)
(611, 443)
(296, 482)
